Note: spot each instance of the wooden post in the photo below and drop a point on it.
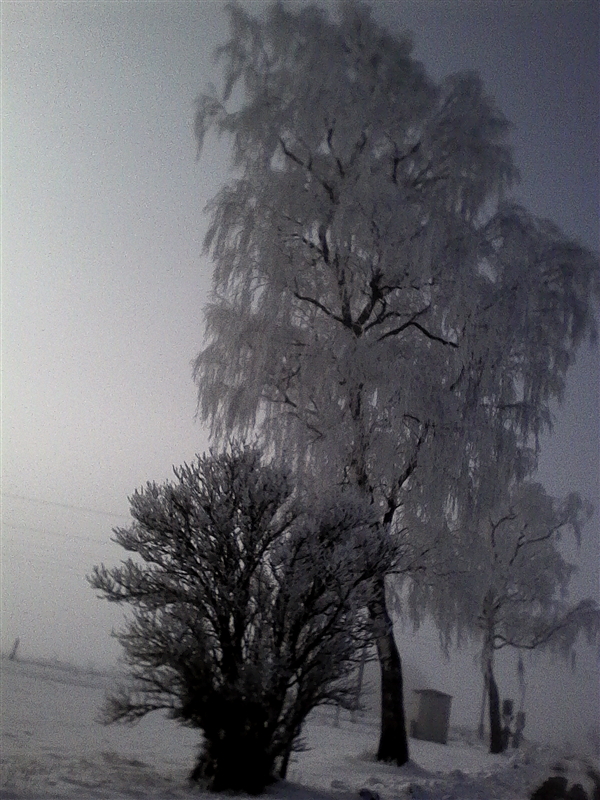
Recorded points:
(359, 683)
(13, 652)
(481, 728)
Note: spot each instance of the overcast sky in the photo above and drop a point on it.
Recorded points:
(104, 279)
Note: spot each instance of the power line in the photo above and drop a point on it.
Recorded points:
(87, 539)
(64, 505)
(42, 566)
(39, 559)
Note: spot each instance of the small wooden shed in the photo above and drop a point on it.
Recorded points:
(432, 718)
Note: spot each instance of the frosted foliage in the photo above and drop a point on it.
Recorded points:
(379, 314)
(247, 609)
(509, 583)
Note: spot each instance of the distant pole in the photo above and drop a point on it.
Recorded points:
(481, 729)
(359, 683)
(522, 684)
(13, 652)
(336, 719)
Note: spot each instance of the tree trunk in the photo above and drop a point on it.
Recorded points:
(495, 721)
(393, 741)
(285, 762)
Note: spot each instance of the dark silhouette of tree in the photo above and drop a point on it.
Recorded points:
(248, 610)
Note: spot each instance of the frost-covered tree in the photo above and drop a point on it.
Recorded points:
(379, 314)
(511, 585)
(248, 610)
(526, 582)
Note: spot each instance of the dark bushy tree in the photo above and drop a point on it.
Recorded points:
(247, 610)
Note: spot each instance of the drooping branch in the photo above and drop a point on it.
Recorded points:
(376, 296)
(308, 166)
(584, 616)
(404, 476)
(318, 304)
(412, 323)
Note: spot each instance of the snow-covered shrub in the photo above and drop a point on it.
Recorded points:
(247, 609)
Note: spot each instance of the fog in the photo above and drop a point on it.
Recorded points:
(104, 283)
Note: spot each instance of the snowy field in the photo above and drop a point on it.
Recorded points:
(52, 747)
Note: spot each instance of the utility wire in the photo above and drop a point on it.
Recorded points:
(64, 505)
(88, 539)
(42, 566)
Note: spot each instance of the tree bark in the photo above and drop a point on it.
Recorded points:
(393, 741)
(496, 745)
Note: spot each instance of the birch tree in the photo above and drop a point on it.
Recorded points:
(380, 315)
(509, 585)
(526, 580)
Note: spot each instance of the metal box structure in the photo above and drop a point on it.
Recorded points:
(432, 716)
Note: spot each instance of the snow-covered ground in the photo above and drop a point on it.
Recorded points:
(52, 747)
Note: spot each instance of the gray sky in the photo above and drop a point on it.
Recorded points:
(104, 280)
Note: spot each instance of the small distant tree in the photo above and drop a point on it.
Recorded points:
(510, 585)
(247, 610)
